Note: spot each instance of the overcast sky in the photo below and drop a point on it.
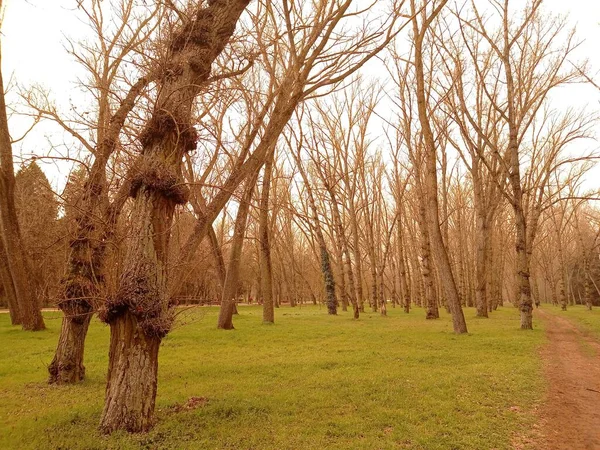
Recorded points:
(33, 37)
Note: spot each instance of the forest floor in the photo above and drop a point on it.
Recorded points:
(570, 417)
(310, 381)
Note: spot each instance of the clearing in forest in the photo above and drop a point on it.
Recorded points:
(308, 381)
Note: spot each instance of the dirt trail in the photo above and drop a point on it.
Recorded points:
(571, 414)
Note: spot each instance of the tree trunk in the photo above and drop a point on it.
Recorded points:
(481, 258)
(228, 299)
(432, 310)
(431, 186)
(525, 304)
(9, 287)
(139, 314)
(67, 365)
(345, 251)
(82, 286)
(132, 377)
(266, 269)
(30, 314)
(404, 285)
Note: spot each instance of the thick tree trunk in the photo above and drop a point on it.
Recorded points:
(329, 281)
(82, 286)
(67, 365)
(132, 377)
(139, 314)
(525, 303)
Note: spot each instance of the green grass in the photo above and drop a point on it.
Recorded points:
(310, 381)
(587, 321)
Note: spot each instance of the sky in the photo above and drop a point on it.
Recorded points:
(33, 52)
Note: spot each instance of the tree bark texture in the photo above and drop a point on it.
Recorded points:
(266, 267)
(9, 287)
(67, 365)
(431, 186)
(140, 314)
(229, 296)
(82, 286)
(30, 314)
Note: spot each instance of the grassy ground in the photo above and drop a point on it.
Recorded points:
(308, 382)
(588, 321)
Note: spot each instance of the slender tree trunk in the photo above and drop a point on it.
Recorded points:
(345, 251)
(30, 314)
(357, 257)
(481, 258)
(326, 269)
(404, 284)
(229, 297)
(431, 188)
(374, 281)
(431, 305)
(266, 271)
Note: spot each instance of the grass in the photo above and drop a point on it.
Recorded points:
(310, 381)
(587, 321)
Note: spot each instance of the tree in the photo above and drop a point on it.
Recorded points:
(140, 313)
(92, 214)
(37, 211)
(17, 261)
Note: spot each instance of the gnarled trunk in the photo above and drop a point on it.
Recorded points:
(132, 377)
(67, 365)
(139, 314)
(82, 286)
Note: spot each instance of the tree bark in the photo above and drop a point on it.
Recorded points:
(266, 269)
(82, 286)
(229, 297)
(30, 314)
(67, 365)
(139, 314)
(431, 305)
(481, 259)
(9, 287)
(431, 184)
(132, 377)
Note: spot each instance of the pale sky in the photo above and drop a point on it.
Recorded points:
(33, 37)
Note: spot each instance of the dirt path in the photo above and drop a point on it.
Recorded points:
(571, 414)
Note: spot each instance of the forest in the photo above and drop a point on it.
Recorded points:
(394, 201)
